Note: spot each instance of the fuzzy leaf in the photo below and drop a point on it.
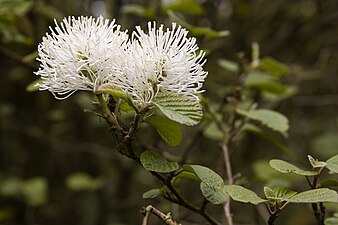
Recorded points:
(316, 195)
(153, 161)
(315, 163)
(241, 194)
(181, 109)
(332, 164)
(285, 167)
(214, 196)
(207, 176)
(153, 193)
(169, 130)
(269, 193)
(272, 119)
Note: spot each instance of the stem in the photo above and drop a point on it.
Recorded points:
(126, 149)
(110, 117)
(166, 218)
(272, 219)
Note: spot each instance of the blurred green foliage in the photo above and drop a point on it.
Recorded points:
(58, 164)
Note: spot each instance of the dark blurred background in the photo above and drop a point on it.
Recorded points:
(57, 162)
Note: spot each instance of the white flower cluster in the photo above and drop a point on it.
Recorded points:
(88, 53)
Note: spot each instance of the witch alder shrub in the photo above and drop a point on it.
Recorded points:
(157, 75)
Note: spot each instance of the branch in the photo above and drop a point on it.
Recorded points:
(166, 218)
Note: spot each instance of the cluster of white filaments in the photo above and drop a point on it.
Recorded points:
(163, 60)
(80, 54)
(85, 53)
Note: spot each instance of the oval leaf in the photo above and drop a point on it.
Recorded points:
(241, 194)
(215, 197)
(285, 167)
(83, 182)
(207, 176)
(332, 164)
(153, 193)
(184, 110)
(153, 161)
(316, 195)
(169, 130)
(272, 119)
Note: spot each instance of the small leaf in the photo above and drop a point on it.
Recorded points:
(192, 7)
(283, 193)
(228, 65)
(198, 31)
(332, 220)
(112, 90)
(153, 161)
(35, 191)
(83, 182)
(273, 67)
(269, 193)
(251, 128)
(328, 183)
(153, 193)
(315, 163)
(184, 110)
(241, 194)
(316, 195)
(285, 167)
(33, 86)
(272, 119)
(332, 164)
(207, 176)
(263, 81)
(214, 196)
(169, 130)
(188, 175)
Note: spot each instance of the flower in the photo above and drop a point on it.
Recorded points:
(162, 61)
(80, 54)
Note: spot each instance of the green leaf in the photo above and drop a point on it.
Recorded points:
(272, 119)
(332, 220)
(192, 7)
(332, 164)
(214, 196)
(328, 183)
(139, 10)
(273, 67)
(269, 193)
(198, 31)
(33, 86)
(285, 167)
(153, 193)
(251, 128)
(169, 130)
(112, 90)
(35, 191)
(207, 176)
(316, 195)
(153, 161)
(188, 175)
(241, 194)
(283, 193)
(262, 81)
(83, 182)
(228, 65)
(184, 110)
(315, 163)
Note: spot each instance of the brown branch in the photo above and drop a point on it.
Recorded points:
(166, 218)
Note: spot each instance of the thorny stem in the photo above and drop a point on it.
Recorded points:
(127, 150)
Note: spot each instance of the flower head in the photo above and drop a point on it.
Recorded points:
(162, 60)
(80, 54)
